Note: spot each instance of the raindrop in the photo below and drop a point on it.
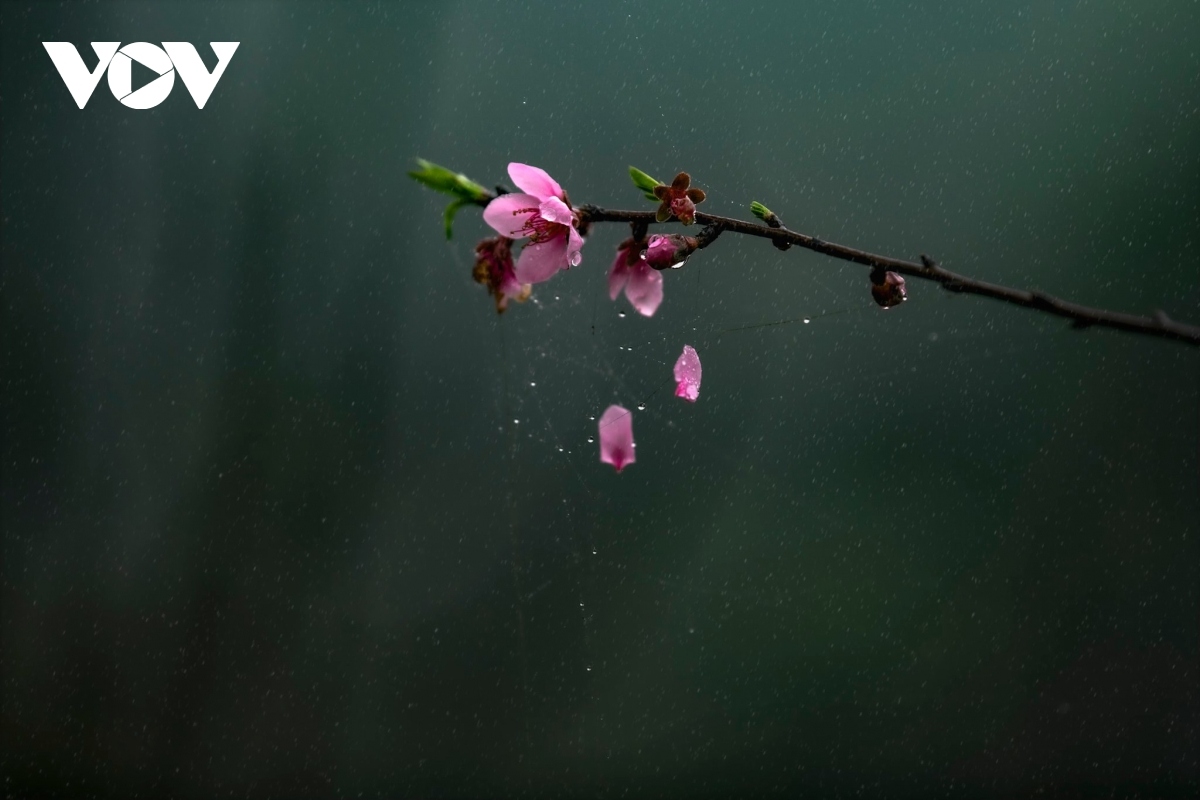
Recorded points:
(807, 320)
(621, 314)
(641, 406)
(533, 383)
(516, 422)
(590, 440)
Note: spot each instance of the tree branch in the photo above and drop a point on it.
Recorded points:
(1159, 324)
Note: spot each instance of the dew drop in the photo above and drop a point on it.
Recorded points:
(807, 320)
(641, 406)
(590, 440)
(621, 314)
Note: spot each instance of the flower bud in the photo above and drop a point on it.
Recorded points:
(678, 200)
(683, 209)
(765, 214)
(887, 288)
(670, 251)
(494, 269)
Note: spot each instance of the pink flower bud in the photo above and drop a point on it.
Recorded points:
(684, 209)
(887, 288)
(670, 251)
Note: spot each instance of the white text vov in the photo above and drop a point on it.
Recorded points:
(118, 61)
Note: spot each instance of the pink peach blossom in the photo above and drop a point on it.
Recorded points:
(616, 437)
(643, 285)
(540, 213)
(687, 375)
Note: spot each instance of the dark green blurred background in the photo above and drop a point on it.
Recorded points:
(288, 510)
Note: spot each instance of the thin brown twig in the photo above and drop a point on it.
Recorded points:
(1081, 316)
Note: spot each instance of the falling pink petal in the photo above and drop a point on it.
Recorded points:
(687, 375)
(616, 437)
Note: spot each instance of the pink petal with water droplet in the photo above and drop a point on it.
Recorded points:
(660, 252)
(555, 210)
(687, 375)
(540, 261)
(616, 437)
(574, 246)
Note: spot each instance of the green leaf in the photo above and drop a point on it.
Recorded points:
(440, 179)
(644, 182)
(448, 214)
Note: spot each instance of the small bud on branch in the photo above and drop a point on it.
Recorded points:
(887, 288)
